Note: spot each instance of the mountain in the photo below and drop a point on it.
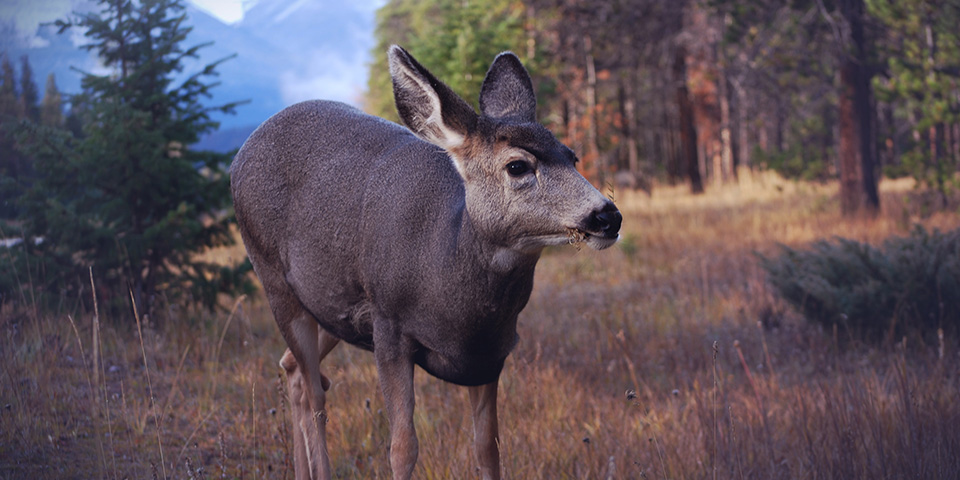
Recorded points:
(286, 51)
(225, 139)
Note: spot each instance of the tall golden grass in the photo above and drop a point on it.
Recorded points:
(664, 357)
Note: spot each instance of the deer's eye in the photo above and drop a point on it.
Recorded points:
(519, 168)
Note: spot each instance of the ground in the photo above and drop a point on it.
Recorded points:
(667, 356)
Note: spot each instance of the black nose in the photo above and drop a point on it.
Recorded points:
(608, 220)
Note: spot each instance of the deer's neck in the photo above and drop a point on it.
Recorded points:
(491, 253)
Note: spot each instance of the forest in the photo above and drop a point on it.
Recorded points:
(649, 91)
(783, 301)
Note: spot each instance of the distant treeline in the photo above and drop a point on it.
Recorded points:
(688, 91)
(20, 100)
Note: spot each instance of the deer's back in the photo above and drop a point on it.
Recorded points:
(319, 186)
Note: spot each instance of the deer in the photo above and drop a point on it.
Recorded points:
(416, 243)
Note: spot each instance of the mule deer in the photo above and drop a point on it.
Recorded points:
(418, 244)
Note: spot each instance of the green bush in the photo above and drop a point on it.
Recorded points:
(908, 285)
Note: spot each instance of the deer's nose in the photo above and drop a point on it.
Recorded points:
(608, 219)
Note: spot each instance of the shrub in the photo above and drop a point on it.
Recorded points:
(908, 285)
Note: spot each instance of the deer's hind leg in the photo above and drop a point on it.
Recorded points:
(307, 344)
(309, 424)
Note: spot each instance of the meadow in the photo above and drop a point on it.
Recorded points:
(666, 356)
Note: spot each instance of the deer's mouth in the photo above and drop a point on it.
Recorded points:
(595, 240)
(600, 229)
(576, 236)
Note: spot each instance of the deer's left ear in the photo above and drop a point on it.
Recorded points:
(507, 91)
(426, 105)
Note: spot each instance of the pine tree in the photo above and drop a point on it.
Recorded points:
(8, 89)
(28, 92)
(9, 158)
(129, 197)
(923, 65)
(51, 108)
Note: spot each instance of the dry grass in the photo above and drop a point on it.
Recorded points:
(664, 357)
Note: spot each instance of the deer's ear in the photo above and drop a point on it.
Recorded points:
(426, 105)
(507, 92)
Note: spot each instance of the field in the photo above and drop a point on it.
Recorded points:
(666, 356)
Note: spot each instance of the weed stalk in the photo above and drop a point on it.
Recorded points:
(146, 367)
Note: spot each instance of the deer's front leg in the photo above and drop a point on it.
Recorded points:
(486, 440)
(394, 355)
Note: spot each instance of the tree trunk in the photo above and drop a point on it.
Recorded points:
(955, 142)
(592, 133)
(531, 31)
(743, 131)
(763, 140)
(829, 133)
(778, 136)
(942, 169)
(865, 122)
(630, 124)
(669, 138)
(572, 120)
(891, 146)
(688, 132)
(855, 87)
(851, 193)
(726, 142)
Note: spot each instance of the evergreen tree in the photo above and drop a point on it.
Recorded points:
(51, 108)
(923, 65)
(129, 197)
(9, 158)
(28, 92)
(8, 89)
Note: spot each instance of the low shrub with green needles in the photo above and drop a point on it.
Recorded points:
(908, 285)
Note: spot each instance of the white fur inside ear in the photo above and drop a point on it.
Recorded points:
(435, 130)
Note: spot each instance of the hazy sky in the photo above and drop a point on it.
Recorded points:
(336, 71)
(27, 14)
(228, 11)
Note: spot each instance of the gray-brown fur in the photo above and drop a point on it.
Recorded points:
(420, 246)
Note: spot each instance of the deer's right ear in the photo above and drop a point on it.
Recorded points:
(507, 91)
(426, 105)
